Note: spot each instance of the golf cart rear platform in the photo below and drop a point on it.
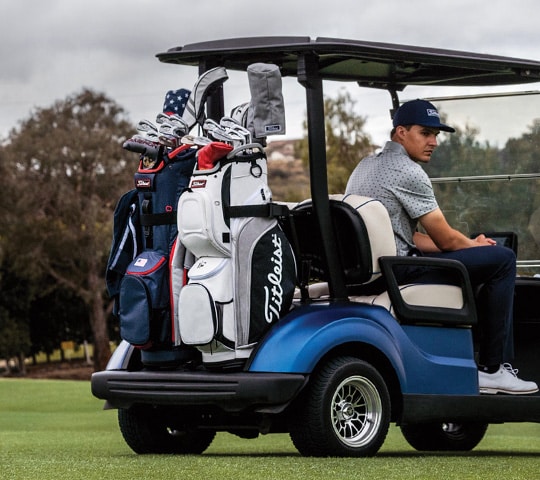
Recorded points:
(232, 392)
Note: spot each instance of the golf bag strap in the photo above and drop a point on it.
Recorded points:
(263, 210)
(152, 219)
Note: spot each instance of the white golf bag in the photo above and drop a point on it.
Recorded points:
(243, 276)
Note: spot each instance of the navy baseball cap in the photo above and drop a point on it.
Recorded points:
(419, 112)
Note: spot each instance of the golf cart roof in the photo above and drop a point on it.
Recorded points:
(378, 65)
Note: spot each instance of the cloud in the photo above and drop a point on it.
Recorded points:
(52, 49)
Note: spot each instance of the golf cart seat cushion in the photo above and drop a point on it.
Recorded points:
(431, 295)
(422, 295)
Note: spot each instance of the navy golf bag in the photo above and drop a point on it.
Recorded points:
(144, 240)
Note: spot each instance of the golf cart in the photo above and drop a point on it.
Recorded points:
(340, 364)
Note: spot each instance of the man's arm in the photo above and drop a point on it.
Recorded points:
(441, 236)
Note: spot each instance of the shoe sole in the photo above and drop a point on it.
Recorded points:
(493, 391)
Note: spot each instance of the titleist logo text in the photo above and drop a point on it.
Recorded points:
(274, 292)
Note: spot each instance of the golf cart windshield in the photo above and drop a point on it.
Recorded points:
(487, 175)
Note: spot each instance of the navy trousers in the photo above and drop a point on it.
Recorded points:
(492, 270)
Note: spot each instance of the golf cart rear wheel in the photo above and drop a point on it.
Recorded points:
(344, 412)
(148, 431)
(444, 436)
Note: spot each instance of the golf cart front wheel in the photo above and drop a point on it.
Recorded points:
(344, 412)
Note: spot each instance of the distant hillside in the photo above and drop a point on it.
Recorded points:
(281, 149)
(287, 176)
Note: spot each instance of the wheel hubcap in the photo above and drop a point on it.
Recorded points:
(345, 411)
(356, 411)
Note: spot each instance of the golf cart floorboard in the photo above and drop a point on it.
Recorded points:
(498, 408)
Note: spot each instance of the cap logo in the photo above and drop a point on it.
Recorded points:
(432, 112)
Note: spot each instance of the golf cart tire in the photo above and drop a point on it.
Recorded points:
(344, 412)
(146, 431)
(457, 437)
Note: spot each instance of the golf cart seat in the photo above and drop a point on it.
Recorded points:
(367, 253)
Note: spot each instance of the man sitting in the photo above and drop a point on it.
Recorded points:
(395, 177)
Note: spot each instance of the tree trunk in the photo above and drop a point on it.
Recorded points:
(22, 364)
(98, 317)
(98, 323)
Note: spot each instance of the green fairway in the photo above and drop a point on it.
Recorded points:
(53, 430)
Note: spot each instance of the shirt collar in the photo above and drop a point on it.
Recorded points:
(394, 147)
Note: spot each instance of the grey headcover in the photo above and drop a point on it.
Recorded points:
(266, 113)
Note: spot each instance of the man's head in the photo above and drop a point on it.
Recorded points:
(416, 126)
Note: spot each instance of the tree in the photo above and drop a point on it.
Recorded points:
(14, 340)
(461, 154)
(346, 141)
(64, 171)
(57, 317)
(15, 299)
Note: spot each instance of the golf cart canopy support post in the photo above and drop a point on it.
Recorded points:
(310, 79)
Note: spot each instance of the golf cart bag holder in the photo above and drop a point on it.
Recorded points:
(243, 276)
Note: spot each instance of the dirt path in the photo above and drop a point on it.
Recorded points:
(65, 371)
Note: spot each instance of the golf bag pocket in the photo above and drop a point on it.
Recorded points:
(144, 301)
(125, 246)
(201, 225)
(205, 303)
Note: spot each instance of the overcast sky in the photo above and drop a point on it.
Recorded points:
(53, 48)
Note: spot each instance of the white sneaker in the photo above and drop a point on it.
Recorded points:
(505, 380)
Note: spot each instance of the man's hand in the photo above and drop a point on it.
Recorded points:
(483, 240)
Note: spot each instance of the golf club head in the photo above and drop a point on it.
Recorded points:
(161, 117)
(195, 140)
(228, 122)
(179, 123)
(146, 126)
(210, 125)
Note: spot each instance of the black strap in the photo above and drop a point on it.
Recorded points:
(146, 209)
(263, 210)
(152, 219)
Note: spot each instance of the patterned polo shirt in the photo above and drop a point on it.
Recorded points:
(401, 185)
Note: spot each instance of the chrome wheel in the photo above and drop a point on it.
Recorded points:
(356, 411)
(344, 411)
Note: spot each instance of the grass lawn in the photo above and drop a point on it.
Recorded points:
(56, 429)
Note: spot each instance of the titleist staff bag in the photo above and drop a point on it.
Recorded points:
(243, 276)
